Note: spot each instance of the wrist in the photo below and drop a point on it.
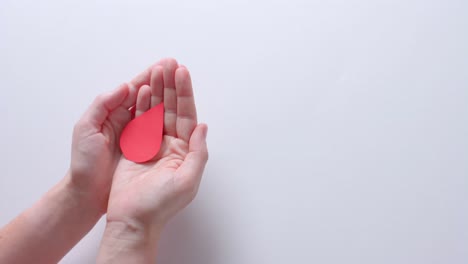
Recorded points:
(129, 242)
(95, 201)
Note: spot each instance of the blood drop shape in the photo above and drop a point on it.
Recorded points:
(141, 138)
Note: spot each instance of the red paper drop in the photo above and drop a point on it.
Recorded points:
(141, 138)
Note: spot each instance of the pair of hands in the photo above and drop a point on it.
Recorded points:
(152, 192)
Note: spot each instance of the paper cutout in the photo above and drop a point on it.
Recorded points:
(141, 138)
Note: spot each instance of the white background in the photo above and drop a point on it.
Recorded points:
(338, 129)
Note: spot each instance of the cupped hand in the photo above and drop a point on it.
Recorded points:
(95, 151)
(152, 192)
(95, 143)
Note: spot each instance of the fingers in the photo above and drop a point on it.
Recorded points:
(145, 76)
(143, 102)
(105, 104)
(131, 97)
(170, 97)
(192, 168)
(142, 78)
(157, 85)
(186, 111)
(172, 84)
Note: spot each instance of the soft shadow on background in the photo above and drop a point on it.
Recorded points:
(192, 236)
(188, 239)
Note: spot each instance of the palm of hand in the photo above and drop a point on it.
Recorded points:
(155, 190)
(138, 188)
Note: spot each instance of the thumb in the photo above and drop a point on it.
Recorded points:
(197, 141)
(194, 164)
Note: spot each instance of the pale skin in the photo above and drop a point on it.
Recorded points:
(139, 199)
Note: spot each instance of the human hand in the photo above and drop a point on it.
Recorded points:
(149, 194)
(95, 150)
(54, 224)
(95, 143)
